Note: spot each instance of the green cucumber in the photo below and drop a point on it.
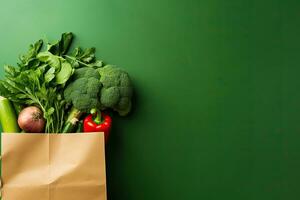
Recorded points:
(8, 116)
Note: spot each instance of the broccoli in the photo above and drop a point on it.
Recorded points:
(116, 91)
(82, 92)
(102, 88)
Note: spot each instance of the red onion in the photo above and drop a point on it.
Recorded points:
(31, 120)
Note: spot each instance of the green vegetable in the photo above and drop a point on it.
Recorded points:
(18, 107)
(50, 59)
(116, 92)
(54, 81)
(64, 74)
(62, 46)
(79, 127)
(39, 80)
(8, 116)
(72, 120)
(59, 67)
(82, 92)
(84, 58)
(28, 59)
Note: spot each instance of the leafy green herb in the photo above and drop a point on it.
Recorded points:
(62, 46)
(33, 50)
(50, 59)
(64, 74)
(85, 58)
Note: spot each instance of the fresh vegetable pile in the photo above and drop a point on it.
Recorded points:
(54, 91)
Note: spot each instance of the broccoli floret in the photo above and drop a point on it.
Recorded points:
(86, 72)
(116, 89)
(83, 91)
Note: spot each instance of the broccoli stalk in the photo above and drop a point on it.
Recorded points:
(72, 120)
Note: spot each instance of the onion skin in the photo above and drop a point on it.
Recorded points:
(31, 120)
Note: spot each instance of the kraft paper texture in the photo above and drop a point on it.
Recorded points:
(53, 166)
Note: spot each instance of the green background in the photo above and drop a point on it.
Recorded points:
(217, 99)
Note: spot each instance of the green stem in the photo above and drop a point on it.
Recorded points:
(58, 120)
(61, 120)
(74, 114)
(72, 120)
(52, 126)
(96, 115)
(74, 59)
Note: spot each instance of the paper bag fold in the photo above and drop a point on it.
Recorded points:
(53, 166)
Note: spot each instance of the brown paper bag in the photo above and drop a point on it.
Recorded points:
(53, 166)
